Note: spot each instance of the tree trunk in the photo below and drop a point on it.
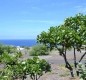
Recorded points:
(72, 74)
(32, 77)
(36, 77)
(68, 66)
(65, 52)
(75, 64)
(23, 78)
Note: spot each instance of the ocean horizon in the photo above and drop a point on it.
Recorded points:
(19, 42)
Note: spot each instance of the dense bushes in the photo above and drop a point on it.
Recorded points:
(16, 69)
(8, 49)
(39, 50)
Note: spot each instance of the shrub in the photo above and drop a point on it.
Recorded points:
(8, 49)
(9, 59)
(39, 50)
(82, 71)
(19, 54)
(36, 67)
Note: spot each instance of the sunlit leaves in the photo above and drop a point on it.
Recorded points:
(71, 34)
(16, 69)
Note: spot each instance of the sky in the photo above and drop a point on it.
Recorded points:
(25, 19)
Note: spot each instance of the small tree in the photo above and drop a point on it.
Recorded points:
(61, 36)
(36, 67)
(72, 34)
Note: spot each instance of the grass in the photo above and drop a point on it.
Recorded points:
(64, 75)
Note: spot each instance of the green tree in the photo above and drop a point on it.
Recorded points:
(78, 24)
(69, 35)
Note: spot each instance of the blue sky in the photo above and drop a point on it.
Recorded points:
(25, 19)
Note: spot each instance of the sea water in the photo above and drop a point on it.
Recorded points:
(27, 42)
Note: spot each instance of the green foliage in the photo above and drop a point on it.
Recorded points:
(39, 50)
(71, 34)
(42, 38)
(49, 38)
(18, 70)
(19, 54)
(82, 70)
(8, 59)
(11, 65)
(36, 67)
(75, 22)
(2, 49)
(8, 49)
(15, 69)
(61, 50)
(6, 74)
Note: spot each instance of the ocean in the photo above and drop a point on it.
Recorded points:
(29, 42)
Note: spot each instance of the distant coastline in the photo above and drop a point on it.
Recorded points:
(19, 42)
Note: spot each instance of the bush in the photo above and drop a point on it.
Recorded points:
(34, 67)
(39, 50)
(8, 49)
(9, 59)
(37, 67)
(82, 71)
(19, 54)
